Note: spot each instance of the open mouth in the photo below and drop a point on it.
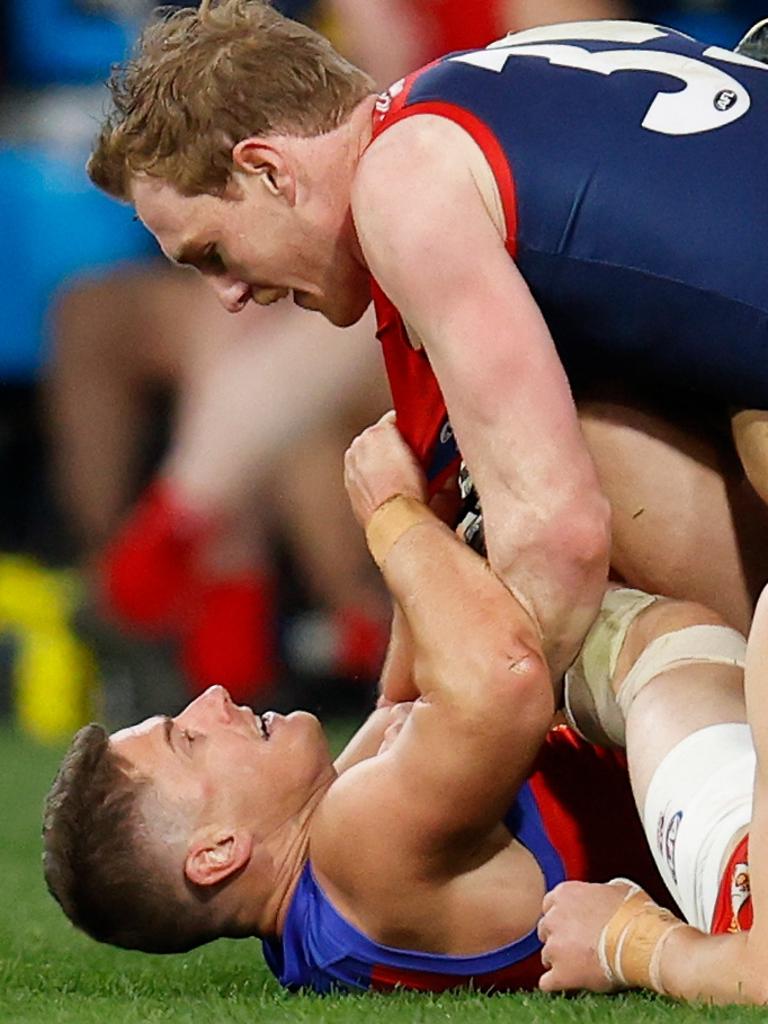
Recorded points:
(263, 726)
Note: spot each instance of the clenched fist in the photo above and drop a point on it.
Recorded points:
(574, 915)
(379, 465)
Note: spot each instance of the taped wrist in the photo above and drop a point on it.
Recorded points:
(391, 520)
(631, 944)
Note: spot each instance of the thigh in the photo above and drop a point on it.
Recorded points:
(685, 521)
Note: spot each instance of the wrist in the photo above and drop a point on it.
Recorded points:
(391, 520)
(632, 942)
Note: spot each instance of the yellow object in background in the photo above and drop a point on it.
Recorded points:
(52, 673)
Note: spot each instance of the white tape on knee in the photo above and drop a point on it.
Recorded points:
(705, 645)
(590, 704)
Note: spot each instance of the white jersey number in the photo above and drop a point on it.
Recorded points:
(711, 97)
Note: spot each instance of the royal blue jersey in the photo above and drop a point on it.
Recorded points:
(319, 949)
(631, 161)
(555, 817)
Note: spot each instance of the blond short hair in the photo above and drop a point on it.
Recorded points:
(203, 79)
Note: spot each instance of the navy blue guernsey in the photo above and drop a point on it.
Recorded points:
(632, 164)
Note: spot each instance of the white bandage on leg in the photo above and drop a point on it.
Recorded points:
(590, 704)
(713, 645)
(699, 797)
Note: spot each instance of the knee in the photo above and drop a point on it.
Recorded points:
(668, 615)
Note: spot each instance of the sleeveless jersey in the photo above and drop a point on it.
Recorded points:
(575, 815)
(630, 162)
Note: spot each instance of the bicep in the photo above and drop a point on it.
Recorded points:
(450, 776)
(434, 247)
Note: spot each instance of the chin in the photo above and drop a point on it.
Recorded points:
(349, 314)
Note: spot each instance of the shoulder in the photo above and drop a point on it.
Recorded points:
(412, 157)
(414, 189)
(353, 833)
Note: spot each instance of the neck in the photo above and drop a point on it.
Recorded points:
(269, 882)
(331, 160)
(361, 131)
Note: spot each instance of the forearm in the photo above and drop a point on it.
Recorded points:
(710, 968)
(396, 680)
(556, 565)
(461, 617)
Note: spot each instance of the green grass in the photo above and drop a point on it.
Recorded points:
(49, 973)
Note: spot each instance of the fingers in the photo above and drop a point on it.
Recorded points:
(379, 465)
(548, 982)
(550, 899)
(551, 980)
(574, 916)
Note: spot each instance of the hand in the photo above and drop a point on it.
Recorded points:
(396, 683)
(398, 716)
(574, 915)
(379, 465)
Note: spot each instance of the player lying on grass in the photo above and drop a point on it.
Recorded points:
(419, 858)
(697, 756)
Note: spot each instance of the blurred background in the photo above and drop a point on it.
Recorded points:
(172, 511)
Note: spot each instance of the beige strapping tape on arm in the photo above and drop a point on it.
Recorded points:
(391, 520)
(631, 943)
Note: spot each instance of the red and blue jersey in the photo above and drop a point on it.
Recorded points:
(575, 815)
(630, 160)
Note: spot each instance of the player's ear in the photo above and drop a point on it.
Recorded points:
(214, 857)
(269, 164)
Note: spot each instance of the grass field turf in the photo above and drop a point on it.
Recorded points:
(50, 974)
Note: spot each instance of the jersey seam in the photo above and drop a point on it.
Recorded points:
(644, 273)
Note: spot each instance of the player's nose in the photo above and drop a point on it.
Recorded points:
(233, 295)
(211, 707)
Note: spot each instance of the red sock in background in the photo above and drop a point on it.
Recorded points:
(231, 637)
(362, 641)
(148, 570)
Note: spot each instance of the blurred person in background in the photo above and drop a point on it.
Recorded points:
(417, 31)
(195, 562)
(56, 54)
(263, 406)
(56, 57)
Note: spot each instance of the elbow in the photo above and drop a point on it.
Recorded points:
(518, 686)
